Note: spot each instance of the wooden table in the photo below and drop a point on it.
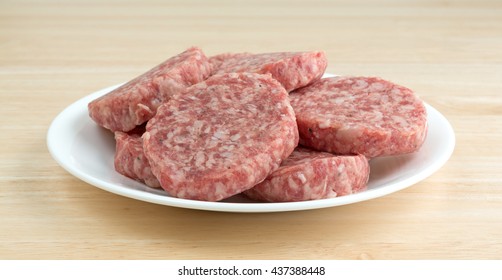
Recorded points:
(55, 52)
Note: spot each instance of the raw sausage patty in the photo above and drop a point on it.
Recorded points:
(292, 69)
(359, 115)
(136, 102)
(221, 137)
(310, 175)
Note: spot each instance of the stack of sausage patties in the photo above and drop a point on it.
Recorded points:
(265, 125)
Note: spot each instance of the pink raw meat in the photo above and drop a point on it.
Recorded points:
(221, 137)
(136, 102)
(360, 115)
(292, 69)
(308, 175)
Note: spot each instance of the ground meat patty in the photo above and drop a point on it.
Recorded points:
(292, 69)
(308, 175)
(359, 115)
(221, 137)
(130, 159)
(136, 102)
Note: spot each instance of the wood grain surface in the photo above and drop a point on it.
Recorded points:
(54, 52)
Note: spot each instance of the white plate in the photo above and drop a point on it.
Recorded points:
(86, 151)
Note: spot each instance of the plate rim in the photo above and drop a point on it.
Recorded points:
(258, 207)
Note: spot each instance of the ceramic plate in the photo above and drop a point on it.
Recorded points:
(86, 151)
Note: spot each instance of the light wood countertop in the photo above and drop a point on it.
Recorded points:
(54, 52)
